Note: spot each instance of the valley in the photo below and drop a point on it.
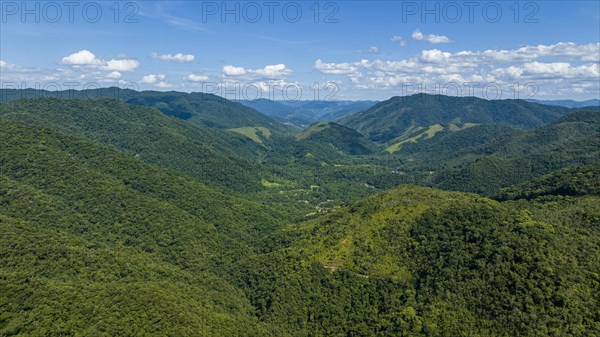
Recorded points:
(138, 215)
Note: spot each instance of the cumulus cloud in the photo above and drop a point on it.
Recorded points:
(399, 39)
(86, 59)
(122, 65)
(179, 57)
(431, 38)
(562, 69)
(339, 68)
(6, 65)
(82, 58)
(152, 78)
(195, 78)
(274, 71)
(233, 71)
(435, 55)
(585, 52)
(561, 65)
(164, 85)
(114, 74)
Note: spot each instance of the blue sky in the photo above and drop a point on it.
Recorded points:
(345, 50)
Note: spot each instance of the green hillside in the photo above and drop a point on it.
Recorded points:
(399, 115)
(98, 242)
(121, 220)
(201, 109)
(339, 137)
(518, 157)
(422, 262)
(573, 181)
(214, 156)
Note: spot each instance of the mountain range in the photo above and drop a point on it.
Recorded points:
(305, 113)
(569, 103)
(163, 214)
(393, 120)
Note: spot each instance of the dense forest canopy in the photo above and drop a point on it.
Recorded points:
(173, 214)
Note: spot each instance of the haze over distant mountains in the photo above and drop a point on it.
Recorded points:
(304, 113)
(569, 103)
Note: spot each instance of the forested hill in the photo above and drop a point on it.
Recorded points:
(400, 115)
(305, 113)
(201, 109)
(214, 156)
(96, 241)
(339, 137)
(573, 181)
(120, 220)
(483, 159)
(423, 262)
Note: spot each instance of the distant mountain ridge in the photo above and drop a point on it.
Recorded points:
(305, 113)
(399, 116)
(216, 156)
(200, 109)
(568, 103)
(340, 137)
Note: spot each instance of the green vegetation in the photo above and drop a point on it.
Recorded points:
(339, 137)
(521, 156)
(305, 113)
(256, 133)
(199, 109)
(216, 156)
(164, 218)
(398, 115)
(427, 134)
(575, 181)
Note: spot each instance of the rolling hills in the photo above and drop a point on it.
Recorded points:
(124, 219)
(200, 109)
(423, 262)
(98, 242)
(215, 156)
(399, 116)
(514, 158)
(339, 137)
(305, 113)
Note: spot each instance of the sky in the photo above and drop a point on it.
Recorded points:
(328, 50)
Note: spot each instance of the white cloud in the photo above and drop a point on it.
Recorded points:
(374, 50)
(512, 71)
(6, 65)
(396, 66)
(435, 55)
(164, 85)
(338, 68)
(273, 71)
(114, 74)
(399, 39)
(562, 69)
(417, 35)
(92, 62)
(233, 71)
(179, 57)
(586, 52)
(561, 66)
(152, 78)
(556, 68)
(122, 65)
(195, 78)
(82, 57)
